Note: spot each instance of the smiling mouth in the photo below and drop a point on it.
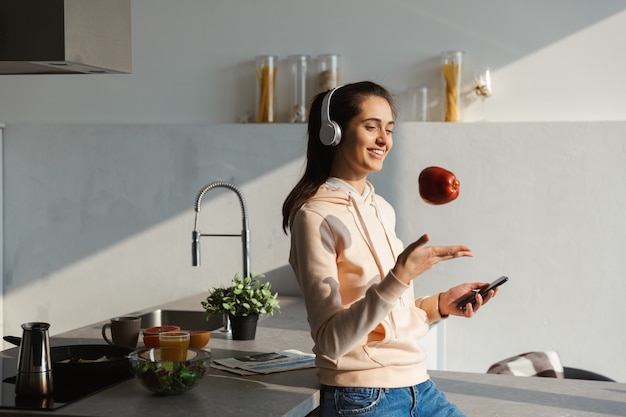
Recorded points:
(378, 151)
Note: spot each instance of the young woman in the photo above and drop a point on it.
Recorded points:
(355, 277)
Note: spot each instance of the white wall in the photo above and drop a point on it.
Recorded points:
(541, 203)
(101, 171)
(98, 218)
(193, 59)
(98, 222)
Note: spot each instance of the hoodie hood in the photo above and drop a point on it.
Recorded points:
(337, 191)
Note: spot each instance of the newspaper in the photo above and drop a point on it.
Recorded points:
(266, 363)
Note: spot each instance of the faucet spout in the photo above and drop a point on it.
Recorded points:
(245, 232)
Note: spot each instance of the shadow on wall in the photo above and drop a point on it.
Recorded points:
(72, 191)
(218, 89)
(284, 281)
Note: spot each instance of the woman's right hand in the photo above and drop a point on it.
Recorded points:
(417, 258)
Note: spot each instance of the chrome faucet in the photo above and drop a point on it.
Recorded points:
(245, 232)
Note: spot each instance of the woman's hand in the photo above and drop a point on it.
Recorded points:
(448, 299)
(416, 258)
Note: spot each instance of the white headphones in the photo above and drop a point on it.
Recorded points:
(330, 131)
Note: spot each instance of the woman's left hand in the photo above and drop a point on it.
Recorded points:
(448, 299)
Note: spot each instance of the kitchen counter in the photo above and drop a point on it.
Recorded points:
(220, 393)
(295, 393)
(488, 395)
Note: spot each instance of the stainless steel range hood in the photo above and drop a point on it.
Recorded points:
(65, 37)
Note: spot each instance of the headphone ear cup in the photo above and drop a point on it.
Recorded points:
(330, 133)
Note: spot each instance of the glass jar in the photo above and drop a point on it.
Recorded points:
(419, 105)
(298, 75)
(265, 87)
(328, 75)
(452, 72)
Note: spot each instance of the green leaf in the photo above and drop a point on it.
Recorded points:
(244, 296)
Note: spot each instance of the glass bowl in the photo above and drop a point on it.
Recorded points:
(169, 377)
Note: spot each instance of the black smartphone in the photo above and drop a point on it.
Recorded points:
(471, 297)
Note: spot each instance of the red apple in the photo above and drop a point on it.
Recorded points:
(438, 186)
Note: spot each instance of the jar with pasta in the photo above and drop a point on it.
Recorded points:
(328, 72)
(265, 88)
(452, 71)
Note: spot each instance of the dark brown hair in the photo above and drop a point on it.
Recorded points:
(344, 106)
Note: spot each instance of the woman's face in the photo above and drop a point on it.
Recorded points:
(365, 142)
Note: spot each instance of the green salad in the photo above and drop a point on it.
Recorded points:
(170, 377)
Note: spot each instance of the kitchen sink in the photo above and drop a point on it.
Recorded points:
(186, 320)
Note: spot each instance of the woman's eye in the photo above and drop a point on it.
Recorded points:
(389, 132)
(370, 128)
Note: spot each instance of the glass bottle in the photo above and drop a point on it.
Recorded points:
(452, 72)
(298, 75)
(328, 75)
(265, 87)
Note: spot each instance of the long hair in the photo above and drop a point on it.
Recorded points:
(344, 106)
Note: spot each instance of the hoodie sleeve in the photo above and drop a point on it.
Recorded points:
(314, 252)
(430, 305)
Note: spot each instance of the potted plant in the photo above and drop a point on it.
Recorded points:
(244, 300)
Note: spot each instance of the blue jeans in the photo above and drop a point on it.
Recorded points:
(422, 400)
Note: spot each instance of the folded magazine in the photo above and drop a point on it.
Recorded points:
(266, 363)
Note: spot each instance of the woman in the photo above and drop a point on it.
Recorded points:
(355, 277)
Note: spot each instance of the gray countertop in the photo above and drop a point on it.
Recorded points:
(295, 393)
(487, 395)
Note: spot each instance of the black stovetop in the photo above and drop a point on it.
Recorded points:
(63, 393)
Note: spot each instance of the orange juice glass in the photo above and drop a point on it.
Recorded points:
(174, 345)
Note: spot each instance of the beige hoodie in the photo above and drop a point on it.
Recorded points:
(365, 323)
